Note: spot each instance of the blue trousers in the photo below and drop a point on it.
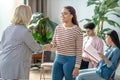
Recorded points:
(88, 74)
(63, 67)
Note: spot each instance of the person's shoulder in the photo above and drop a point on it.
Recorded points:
(98, 38)
(27, 30)
(77, 28)
(23, 28)
(86, 37)
(59, 26)
(116, 48)
(8, 28)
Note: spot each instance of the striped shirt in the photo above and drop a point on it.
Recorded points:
(68, 42)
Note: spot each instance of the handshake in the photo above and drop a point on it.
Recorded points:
(49, 47)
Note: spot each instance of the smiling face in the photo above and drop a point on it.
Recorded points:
(66, 16)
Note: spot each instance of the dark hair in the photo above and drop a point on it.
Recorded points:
(114, 36)
(73, 12)
(89, 25)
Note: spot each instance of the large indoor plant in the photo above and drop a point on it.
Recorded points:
(42, 30)
(102, 10)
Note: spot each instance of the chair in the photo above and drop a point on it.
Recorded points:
(44, 65)
(36, 60)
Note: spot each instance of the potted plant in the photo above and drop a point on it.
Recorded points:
(42, 30)
(102, 10)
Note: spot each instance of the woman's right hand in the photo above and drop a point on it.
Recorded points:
(86, 59)
(89, 60)
(75, 72)
(47, 47)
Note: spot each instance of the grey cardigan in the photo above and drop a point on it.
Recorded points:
(17, 45)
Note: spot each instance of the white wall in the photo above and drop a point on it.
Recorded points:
(6, 9)
(54, 7)
(53, 11)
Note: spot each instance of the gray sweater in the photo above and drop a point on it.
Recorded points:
(17, 45)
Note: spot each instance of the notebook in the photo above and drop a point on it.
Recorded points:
(92, 53)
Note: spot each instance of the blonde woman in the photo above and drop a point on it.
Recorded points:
(17, 45)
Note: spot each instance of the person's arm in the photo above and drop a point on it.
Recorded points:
(105, 59)
(30, 42)
(79, 42)
(100, 46)
(89, 60)
(86, 59)
(115, 57)
(2, 40)
(48, 47)
(53, 42)
(52, 45)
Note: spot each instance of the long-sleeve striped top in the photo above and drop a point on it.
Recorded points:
(68, 42)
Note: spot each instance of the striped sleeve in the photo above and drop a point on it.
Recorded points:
(54, 38)
(79, 43)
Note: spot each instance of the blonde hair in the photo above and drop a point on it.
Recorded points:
(22, 15)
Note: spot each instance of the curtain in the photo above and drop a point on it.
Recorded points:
(38, 6)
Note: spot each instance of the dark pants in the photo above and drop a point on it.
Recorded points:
(84, 64)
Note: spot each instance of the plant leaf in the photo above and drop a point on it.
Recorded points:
(91, 2)
(43, 28)
(113, 23)
(105, 30)
(88, 20)
(113, 5)
(118, 15)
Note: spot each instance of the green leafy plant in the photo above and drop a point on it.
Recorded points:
(102, 10)
(42, 28)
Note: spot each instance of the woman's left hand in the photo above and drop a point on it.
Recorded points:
(104, 58)
(75, 72)
(101, 55)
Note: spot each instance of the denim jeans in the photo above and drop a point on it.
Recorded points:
(88, 74)
(63, 67)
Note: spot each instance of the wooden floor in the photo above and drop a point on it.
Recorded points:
(35, 74)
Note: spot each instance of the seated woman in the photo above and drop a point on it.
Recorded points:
(109, 61)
